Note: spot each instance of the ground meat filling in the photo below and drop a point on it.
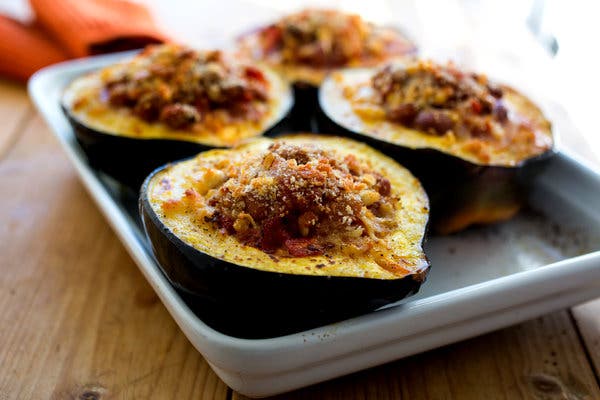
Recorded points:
(303, 201)
(178, 86)
(329, 38)
(437, 99)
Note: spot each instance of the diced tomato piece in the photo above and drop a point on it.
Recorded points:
(302, 247)
(274, 234)
(270, 38)
(227, 224)
(255, 74)
(476, 106)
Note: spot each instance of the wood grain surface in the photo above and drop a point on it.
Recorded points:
(77, 318)
(15, 111)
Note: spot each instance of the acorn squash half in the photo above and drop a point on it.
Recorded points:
(281, 235)
(307, 45)
(474, 168)
(170, 102)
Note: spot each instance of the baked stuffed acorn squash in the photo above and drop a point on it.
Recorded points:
(468, 139)
(170, 102)
(277, 236)
(305, 46)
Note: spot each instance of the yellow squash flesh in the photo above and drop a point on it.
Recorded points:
(406, 241)
(83, 100)
(371, 121)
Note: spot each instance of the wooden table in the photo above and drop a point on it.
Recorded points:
(79, 321)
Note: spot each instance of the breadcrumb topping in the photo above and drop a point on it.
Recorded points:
(329, 38)
(180, 87)
(294, 200)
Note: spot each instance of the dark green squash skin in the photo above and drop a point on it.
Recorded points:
(306, 107)
(130, 160)
(249, 303)
(453, 185)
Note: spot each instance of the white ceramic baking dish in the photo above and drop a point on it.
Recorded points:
(481, 280)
